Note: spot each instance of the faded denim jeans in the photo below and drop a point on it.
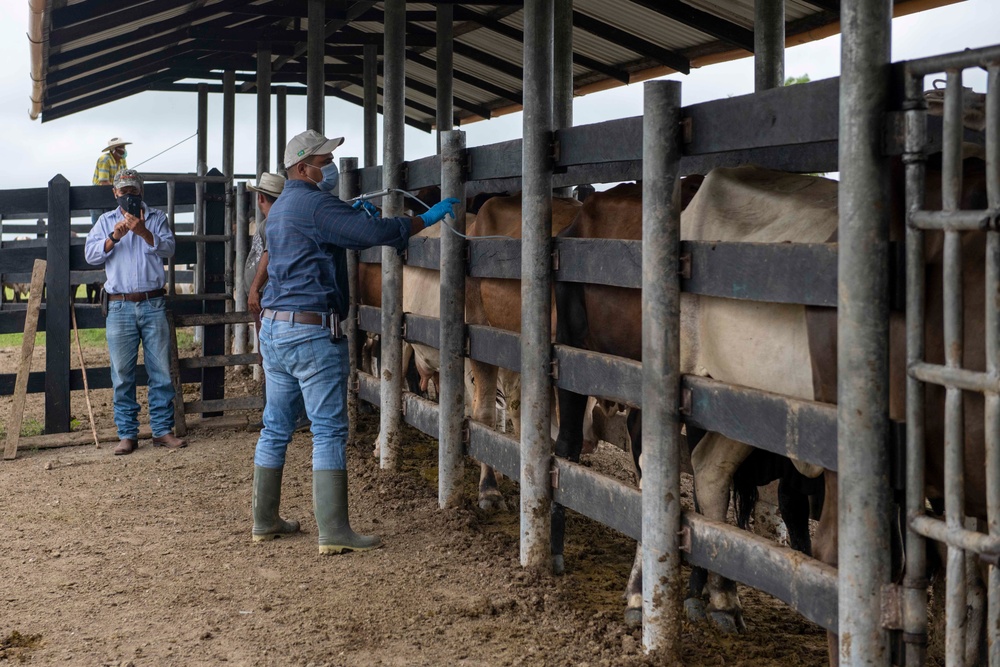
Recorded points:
(303, 364)
(130, 323)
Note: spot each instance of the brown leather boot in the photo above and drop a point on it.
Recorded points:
(126, 446)
(170, 441)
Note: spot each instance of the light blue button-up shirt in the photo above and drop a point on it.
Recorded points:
(132, 265)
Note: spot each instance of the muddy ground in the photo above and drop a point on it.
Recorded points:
(147, 560)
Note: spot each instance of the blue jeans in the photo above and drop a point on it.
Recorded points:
(130, 323)
(303, 364)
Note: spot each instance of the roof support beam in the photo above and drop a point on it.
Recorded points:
(671, 59)
(828, 5)
(709, 24)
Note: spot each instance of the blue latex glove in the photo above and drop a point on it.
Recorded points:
(368, 207)
(437, 212)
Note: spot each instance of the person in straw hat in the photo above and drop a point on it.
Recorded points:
(111, 161)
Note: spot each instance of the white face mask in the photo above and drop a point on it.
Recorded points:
(331, 177)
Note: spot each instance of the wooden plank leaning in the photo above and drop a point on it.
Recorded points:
(180, 423)
(27, 350)
(83, 370)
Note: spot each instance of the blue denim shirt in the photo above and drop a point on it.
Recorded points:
(132, 265)
(308, 232)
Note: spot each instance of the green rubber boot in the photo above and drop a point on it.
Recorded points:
(330, 506)
(267, 524)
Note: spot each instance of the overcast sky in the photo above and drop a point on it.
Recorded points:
(154, 120)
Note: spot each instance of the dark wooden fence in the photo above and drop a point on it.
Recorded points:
(67, 266)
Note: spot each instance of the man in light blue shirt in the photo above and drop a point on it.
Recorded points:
(131, 242)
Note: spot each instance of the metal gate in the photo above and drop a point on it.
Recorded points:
(964, 545)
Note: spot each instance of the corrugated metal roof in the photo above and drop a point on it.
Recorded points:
(94, 51)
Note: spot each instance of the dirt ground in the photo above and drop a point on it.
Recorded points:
(147, 560)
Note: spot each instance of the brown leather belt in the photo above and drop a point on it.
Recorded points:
(328, 320)
(137, 296)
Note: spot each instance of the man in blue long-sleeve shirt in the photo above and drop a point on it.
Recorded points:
(131, 242)
(305, 355)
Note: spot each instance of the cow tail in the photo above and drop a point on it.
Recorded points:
(745, 496)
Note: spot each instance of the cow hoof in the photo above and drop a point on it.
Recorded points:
(695, 610)
(492, 502)
(633, 617)
(728, 622)
(558, 564)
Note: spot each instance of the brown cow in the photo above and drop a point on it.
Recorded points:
(781, 348)
(497, 303)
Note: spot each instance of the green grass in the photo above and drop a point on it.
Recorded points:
(29, 427)
(89, 338)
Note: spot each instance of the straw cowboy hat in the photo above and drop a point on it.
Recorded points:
(270, 184)
(115, 141)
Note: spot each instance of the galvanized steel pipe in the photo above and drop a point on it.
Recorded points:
(444, 55)
(349, 188)
(768, 44)
(393, 95)
(915, 579)
(536, 288)
(315, 58)
(863, 333)
(562, 73)
(954, 336)
(240, 286)
(992, 430)
(370, 109)
(661, 354)
(452, 372)
(281, 128)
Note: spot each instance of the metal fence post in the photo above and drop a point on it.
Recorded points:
(393, 96)
(199, 200)
(863, 333)
(349, 187)
(915, 582)
(536, 289)
(444, 55)
(993, 355)
(452, 394)
(769, 44)
(661, 353)
(281, 127)
(370, 108)
(315, 58)
(240, 286)
(228, 168)
(57, 315)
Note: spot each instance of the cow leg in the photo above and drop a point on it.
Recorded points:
(715, 460)
(794, 508)
(825, 546)
(633, 591)
(569, 444)
(484, 410)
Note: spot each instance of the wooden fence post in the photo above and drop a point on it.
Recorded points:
(213, 380)
(57, 314)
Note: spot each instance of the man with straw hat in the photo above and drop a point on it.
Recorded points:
(111, 161)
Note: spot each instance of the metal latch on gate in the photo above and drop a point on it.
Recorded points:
(555, 259)
(684, 543)
(684, 268)
(554, 369)
(892, 607)
(686, 399)
(554, 477)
